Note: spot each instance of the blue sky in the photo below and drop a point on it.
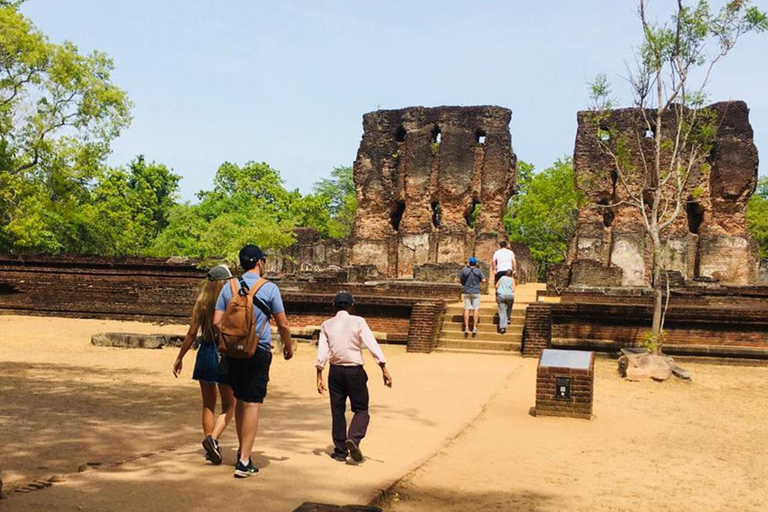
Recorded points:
(287, 82)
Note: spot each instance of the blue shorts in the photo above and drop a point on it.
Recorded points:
(209, 367)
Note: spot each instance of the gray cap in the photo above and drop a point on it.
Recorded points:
(219, 272)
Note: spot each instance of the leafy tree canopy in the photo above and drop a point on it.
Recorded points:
(757, 215)
(544, 211)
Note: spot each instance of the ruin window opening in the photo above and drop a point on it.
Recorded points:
(436, 214)
(400, 134)
(472, 213)
(695, 215)
(608, 213)
(436, 135)
(604, 133)
(397, 215)
(480, 136)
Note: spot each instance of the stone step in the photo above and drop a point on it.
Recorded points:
(497, 346)
(455, 310)
(484, 319)
(508, 337)
(494, 353)
(457, 325)
(457, 329)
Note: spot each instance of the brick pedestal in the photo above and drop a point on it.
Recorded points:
(564, 383)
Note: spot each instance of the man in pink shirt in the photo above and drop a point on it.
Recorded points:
(341, 340)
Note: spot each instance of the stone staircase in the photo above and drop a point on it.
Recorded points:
(487, 340)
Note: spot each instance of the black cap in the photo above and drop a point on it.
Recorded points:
(250, 254)
(343, 299)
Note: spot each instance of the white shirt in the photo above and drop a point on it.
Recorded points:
(504, 259)
(341, 340)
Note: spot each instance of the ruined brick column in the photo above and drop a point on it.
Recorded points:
(419, 174)
(709, 238)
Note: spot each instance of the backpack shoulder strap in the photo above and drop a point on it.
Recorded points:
(233, 286)
(256, 286)
(257, 301)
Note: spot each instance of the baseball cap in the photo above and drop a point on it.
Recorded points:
(472, 260)
(219, 272)
(251, 254)
(343, 299)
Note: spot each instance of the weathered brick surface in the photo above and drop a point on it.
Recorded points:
(579, 405)
(594, 273)
(153, 290)
(709, 238)
(419, 173)
(537, 332)
(424, 328)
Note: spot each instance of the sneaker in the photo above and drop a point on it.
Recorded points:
(212, 450)
(474, 331)
(503, 331)
(339, 457)
(354, 450)
(243, 471)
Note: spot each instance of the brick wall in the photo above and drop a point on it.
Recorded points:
(537, 331)
(154, 290)
(593, 273)
(424, 327)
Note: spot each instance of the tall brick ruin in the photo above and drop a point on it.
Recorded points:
(419, 174)
(709, 238)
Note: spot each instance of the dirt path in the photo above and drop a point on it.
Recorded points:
(65, 403)
(674, 446)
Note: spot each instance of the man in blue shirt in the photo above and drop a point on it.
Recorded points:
(249, 377)
(470, 278)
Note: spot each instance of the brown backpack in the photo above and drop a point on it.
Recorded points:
(237, 335)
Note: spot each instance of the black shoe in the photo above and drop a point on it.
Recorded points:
(212, 450)
(243, 471)
(339, 457)
(354, 450)
(503, 331)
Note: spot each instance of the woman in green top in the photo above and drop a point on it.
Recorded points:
(505, 297)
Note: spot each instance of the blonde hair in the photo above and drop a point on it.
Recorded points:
(205, 304)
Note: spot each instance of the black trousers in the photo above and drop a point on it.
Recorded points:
(348, 382)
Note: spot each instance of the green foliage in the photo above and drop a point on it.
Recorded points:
(757, 216)
(58, 113)
(543, 214)
(248, 204)
(333, 204)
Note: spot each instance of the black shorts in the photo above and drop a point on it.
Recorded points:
(249, 377)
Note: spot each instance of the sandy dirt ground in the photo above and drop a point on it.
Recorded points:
(698, 446)
(65, 403)
(455, 430)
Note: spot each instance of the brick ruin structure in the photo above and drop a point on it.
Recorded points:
(709, 239)
(718, 302)
(421, 174)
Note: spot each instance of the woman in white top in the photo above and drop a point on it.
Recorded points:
(505, 297)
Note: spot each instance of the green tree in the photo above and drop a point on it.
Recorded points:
(757, 215)
(544, 211)
(335, 198)
(672, 109)
(248, 204)
(59, 111)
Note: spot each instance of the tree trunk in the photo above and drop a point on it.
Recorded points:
(658, 296)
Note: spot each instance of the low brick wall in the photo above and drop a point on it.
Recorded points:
(537, 331)
(424, 328)
(702, 320)
(150, 289)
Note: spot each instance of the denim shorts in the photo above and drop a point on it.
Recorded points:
(209, 367)
(471, 301)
